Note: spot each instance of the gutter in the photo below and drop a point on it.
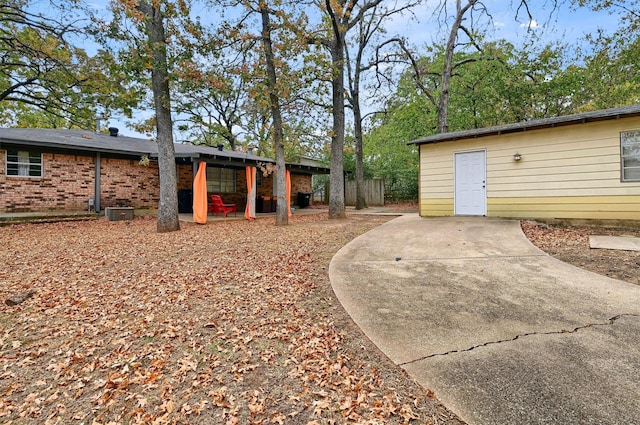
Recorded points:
(536, 124)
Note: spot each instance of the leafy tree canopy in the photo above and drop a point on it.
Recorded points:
(46, 80)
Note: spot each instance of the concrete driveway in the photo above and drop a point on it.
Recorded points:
(500, 331)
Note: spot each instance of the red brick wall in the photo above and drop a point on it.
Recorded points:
(185, 176)
(68, 184)
(126, 183)
(299, 183)
(266, 189)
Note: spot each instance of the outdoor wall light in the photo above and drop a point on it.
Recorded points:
(517, 157)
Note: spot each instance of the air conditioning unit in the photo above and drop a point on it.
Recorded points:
(119, 213)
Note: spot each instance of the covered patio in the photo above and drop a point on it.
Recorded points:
(239, 179)
(76, 170)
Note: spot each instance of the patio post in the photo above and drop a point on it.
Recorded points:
(289, 193)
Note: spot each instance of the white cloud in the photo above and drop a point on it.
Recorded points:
(532, 24)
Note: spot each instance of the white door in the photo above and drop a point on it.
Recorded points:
(470, 183)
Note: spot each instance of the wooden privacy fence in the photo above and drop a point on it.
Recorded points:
(373, 192)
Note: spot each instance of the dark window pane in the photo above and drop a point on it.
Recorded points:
(630, 143)
(12, 169)
(631, 162)
(35, 170)
(221, 180)
(631, 174)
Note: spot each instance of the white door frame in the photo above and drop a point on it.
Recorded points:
(480, 184)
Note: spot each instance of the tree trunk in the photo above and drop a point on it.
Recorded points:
(354, 89)
(282, 212)
(168, 205)
(361, 202)
(443, 102)
(336, 177)
(341, 21)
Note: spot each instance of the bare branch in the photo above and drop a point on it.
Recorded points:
(415, 67)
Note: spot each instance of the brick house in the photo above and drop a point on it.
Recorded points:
(67, 170)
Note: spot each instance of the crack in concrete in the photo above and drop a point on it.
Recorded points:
(609, 322)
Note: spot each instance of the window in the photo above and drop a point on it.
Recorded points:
(221, 180)
(259, 178)
(630, 149)
(24, 163)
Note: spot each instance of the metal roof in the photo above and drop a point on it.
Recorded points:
(602, 115)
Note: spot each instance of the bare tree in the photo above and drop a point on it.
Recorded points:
(369, 26)
(464, 20)
(341, 18)
(456, 26)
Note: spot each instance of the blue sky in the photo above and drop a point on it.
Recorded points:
(566, 23)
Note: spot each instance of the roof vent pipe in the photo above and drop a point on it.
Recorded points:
(113, 131)
(220, 147)
(99, 119)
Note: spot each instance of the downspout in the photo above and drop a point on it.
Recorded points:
(96, 201)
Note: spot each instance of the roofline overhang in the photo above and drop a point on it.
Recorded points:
(68, 148)
(182, 157)
(241, 162)
(603, 115)
(307, 169)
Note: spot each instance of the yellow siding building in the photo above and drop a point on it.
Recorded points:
(584, 166)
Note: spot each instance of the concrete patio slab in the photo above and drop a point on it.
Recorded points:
(502, 332)
(624, 243)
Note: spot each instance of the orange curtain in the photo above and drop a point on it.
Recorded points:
(200, 195)
(289, 193)
(250, 209)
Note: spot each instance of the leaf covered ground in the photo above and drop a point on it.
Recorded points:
(228, 323)
(571, 245)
